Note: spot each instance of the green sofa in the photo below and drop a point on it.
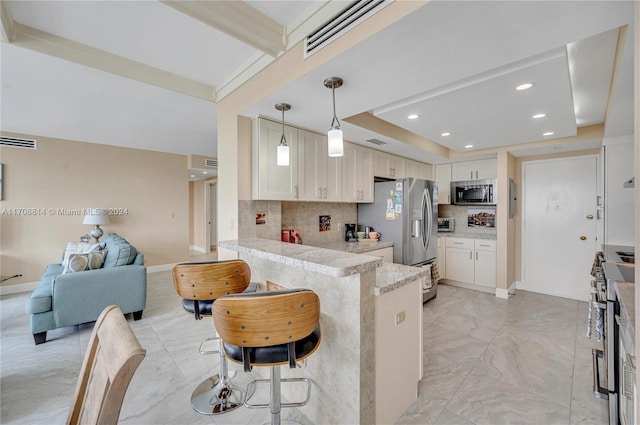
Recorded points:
(67, 299)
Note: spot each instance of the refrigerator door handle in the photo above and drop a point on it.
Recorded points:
(427, 208)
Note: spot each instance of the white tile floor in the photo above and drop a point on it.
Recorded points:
(487, 361)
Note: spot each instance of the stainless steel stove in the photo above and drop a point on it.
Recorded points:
(601, 326)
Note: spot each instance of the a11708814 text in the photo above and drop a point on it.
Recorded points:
(30, 212)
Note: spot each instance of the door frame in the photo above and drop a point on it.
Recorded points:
(521, 283)
(207, 212)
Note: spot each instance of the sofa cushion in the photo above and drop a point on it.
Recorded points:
(119, 251)
(90, 261)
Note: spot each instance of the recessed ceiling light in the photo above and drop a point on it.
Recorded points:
(445, 134)
(205, 172)
(548, 133)
(536, 116)
(192, 176)
(524, 86)
(468, 146)
(413, 116)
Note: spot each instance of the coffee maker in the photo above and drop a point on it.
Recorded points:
(350, 232)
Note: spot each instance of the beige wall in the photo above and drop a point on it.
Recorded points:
(198, 216)
(506, 238)
(151, 187)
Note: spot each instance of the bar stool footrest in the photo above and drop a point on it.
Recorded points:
(251, 388)
(202, 351)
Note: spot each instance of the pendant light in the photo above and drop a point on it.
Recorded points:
(336, 141)
(282, 158)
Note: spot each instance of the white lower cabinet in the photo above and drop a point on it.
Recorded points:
(471, 261)
(442, 256)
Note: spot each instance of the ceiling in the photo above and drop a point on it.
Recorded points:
(148, 74)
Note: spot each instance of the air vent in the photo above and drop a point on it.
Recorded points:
(376, 142)
(348, 18)
(15, 142)
(211, 162)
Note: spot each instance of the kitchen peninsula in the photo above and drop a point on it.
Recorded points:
(370, 360)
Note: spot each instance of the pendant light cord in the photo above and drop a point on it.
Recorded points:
(283, 140)
(335, 118)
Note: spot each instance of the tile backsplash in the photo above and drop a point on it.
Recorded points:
(460, 213)
(301, 216)
(305, 218)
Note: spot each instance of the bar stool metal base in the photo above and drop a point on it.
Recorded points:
(214, 396)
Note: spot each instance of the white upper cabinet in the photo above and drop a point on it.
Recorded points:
(319, 176)
(357, 174)
(474, 170)
(270, 181)
(418, 170)
(388, 166)
(443, 178)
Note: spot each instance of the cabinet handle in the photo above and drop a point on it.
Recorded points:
(470, 255)
(470, 175)
(319, 193)
(459, 243)
(476, 255)
(296, 190)
(485, 245)
(476, 174)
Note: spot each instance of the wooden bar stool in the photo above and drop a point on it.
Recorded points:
(200, 284)
(270, 329)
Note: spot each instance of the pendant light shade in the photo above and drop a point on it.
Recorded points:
(336, 139)
(282, 157)
(336, 143)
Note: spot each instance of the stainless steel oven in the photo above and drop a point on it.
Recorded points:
(601, 325)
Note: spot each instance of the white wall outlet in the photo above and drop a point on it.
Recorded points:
(400, 317)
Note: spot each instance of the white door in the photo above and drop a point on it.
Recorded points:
(559, 226)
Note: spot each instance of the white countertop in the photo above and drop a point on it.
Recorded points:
(356, 247)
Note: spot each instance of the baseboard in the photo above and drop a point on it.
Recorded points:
(465, 285)
(31, 286)
(18, 288)
(160, 268)
(198, 248)
(504, 293)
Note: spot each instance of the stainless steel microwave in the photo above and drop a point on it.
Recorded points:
(474, 192)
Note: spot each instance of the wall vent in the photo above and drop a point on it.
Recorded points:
(15, 142)
(376, 142)
(348, 18)
(211, 162)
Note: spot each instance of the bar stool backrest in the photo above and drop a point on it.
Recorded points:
(264, 319)
(211, 280)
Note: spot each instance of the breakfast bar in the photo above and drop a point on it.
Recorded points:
(370, 360)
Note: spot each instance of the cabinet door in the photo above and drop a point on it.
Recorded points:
(357, 174)
(311, 167)
(382, 165)
(398, 167)
(443, 178)
(364, 172)
(270, 181)
(441, 260)
(461, 171)
(319, 176)
(485, 268)
(487, 169)
(459, 264)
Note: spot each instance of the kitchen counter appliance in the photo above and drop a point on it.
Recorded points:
(405, 212)
(446, 224)
(474, 192)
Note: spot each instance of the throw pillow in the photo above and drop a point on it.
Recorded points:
(79, 248)
(81, 262)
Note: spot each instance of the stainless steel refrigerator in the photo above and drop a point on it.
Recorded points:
(405, 212)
